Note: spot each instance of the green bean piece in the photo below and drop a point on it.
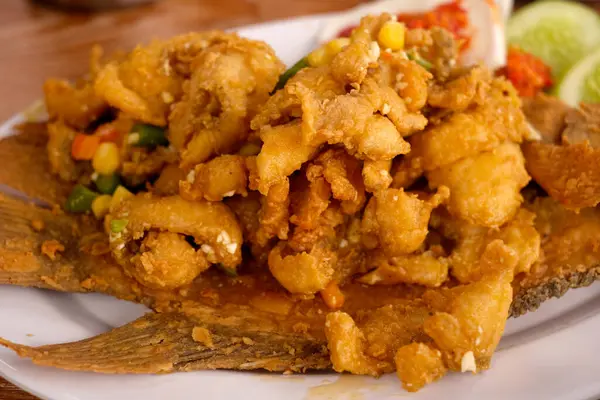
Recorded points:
(419, 60)
(303, 63)
(107, 184)
(144, 135)
(80, 200)
(117, 225)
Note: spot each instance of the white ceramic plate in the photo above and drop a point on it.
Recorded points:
(551, 354)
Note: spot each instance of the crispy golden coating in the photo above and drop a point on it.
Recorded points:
(418, 364)
(167, 183)
(274, 213)
(282, 153)
(166, 260)
(472, 317)
(465, 134)
(469, 87)
(230, 80)
(368, 122)
(310, 198)
(409, 79)
(77, 106)
(143, 84)
(343, 173)
(305, 272)
(376, 175)
(352, 63)
(427, 269)
(473, 254)
(212, 226)
(396, 221)
(221, 177)
(346, 345)
(485, 188)
(570, 173)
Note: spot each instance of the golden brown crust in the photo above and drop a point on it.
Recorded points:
(569, 173)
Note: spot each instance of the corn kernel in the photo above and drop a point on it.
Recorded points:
(319, 57)
(391, 35)
(101, 205)
(336, 45)
(106, 159)
(118, 196)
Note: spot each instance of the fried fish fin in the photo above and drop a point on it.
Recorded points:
(29, 232)
(169, 342)
(26, 167)
(570, 255)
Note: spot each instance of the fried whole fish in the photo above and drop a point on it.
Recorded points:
(197, 335)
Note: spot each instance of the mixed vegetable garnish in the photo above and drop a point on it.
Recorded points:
(104, 149)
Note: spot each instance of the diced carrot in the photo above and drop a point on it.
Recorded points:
(333, 296)
(84, 146)
(108, 133)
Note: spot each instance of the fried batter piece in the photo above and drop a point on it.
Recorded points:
(77, 106)
(409, 79)
(376, 175)
(281, 154)
(471, 318)
(465, 134)
(418, 364)
(221, 177)
(352, 63)
(570, 174)
(274, 213)
(142, 85)
(485, 188)
(305, 272)
(469, 87)
(229, 82)
(165, 259)
(427, 269)
(396, 221)
(343, 174)
(473, 255)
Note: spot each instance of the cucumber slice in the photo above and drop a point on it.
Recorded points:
(582, 82)
(559, 32)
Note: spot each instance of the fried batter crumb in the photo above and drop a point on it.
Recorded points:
(51, 247)
(202, 335)
(38, 225)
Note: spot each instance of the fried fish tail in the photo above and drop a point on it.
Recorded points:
(169, 342)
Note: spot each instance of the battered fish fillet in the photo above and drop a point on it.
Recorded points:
(485, 188)
(567, 165)
(464, 134)
(77, 106)
(229, 81)
(569, 173)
